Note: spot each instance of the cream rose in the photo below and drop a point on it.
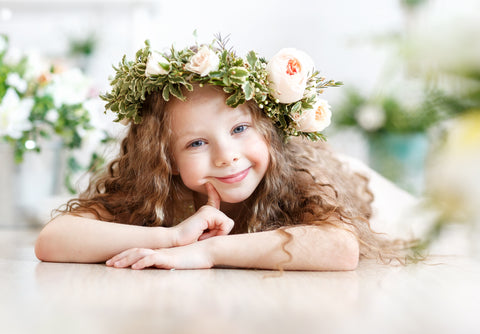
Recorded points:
(153, 66)
(203, 62)
(288, 72)
(315, 119)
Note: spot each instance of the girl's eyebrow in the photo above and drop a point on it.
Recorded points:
(186, 136)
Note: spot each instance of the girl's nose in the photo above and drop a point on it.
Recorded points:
(225, 155)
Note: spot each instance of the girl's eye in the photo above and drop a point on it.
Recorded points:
(240, 128)
(196, 143)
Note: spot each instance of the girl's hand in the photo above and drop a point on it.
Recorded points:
(207, 222)
(193, 256)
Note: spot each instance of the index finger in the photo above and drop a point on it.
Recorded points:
(213, 196)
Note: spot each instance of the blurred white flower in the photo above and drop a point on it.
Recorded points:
(14, 80)
(14, 114)
(371, 117)
(52, 115)
(70, 87)
(36, 66)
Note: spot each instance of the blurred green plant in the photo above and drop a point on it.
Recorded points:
(389, 114)
(83, 46)
(42, 103)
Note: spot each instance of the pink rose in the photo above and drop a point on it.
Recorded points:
(288, 72)
(203, 62)
(315, 119)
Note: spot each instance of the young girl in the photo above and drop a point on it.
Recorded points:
(219, 168)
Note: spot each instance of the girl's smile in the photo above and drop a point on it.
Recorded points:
(235, 177)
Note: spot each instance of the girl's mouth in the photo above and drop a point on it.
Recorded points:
(235, 177)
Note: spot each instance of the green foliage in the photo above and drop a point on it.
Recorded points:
(84, 46)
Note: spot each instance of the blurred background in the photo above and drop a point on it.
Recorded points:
(410, 106)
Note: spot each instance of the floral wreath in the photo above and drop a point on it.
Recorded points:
(286, 88)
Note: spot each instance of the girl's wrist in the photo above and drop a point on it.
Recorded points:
(210, 248)
(166, 237)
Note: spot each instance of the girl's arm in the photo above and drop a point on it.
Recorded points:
(84, 239)
(69, 238)
(311, 248)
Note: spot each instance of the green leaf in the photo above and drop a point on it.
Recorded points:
(252, 59)
(238, 72)
(235, 99)
(215, 74)
(176, 91)
(296, 107)
(166, 93)
(165, 66)
(248, 90)
(283, 122)
(238, 81)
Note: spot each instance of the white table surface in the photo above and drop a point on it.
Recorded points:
(41, 297)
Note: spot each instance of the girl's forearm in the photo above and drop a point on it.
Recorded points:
(70, 238)
(312, 248)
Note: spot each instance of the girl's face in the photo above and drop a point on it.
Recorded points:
(217, 144)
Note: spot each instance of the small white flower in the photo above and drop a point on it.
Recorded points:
(52, 115)
(69, 88)
(371, 117)
(37, 65)
(288, 73)
(14, 80)
(153, 66)
(14, 113)
(203, 62)
(316, 119)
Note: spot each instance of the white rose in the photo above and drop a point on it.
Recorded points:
(14, 113)
(315, 119)
(288, 72)
(371, 117)
(153, 66)
(14, 80)
(203, 62)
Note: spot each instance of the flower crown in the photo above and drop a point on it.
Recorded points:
(286, 88)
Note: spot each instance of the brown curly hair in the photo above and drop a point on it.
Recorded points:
(304, 185)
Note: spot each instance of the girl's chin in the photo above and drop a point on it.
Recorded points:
(233, 198)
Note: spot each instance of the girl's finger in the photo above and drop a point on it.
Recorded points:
(149, 261)
(207, 235)
(128, 257)
(117, 257)
(213, 196)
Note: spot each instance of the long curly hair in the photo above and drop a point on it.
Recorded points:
(304, 185)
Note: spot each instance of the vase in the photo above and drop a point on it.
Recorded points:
(28, 186)
(400, 158)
